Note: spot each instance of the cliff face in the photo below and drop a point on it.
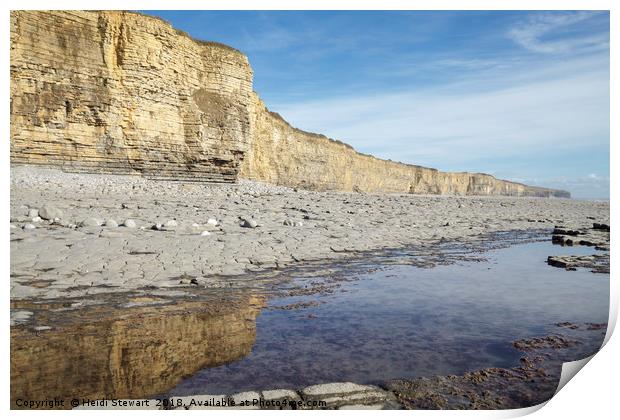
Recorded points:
(281, 154)
(121, 92)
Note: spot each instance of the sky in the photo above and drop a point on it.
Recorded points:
(521, 95)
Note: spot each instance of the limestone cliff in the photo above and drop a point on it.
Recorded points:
(281, 154)
(122, 92)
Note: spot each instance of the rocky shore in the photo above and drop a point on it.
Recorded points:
(79, 241)
(533, 382)
(596, 236)
(81, 234)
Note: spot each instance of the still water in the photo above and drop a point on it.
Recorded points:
(363, 322)
(401, 321)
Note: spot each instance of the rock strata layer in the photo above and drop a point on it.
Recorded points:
(120, 92)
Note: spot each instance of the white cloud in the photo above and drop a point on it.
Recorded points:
(532, 33)
(555, 109)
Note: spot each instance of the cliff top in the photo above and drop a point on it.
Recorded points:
(178, 31)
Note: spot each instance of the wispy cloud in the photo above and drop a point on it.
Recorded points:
(555, 110)
(558, 33)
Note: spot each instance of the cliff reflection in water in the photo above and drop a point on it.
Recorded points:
(130, 353)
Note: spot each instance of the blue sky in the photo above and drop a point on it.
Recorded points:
(520, 95)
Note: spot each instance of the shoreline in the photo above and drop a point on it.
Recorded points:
(209, 231)
(392, 394)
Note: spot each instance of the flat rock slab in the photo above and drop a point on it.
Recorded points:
(338, 394)
(335, 388)
(362, 407)
(243, 400)
(19, 317)
(335, 227)
(280, 394)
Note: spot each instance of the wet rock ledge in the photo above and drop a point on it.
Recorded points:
(532, 382)
(598, 236)
(337, 395)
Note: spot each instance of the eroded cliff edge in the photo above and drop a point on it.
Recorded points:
(120, 92)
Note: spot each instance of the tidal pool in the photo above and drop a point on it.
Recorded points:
(365, 321)
(402, 321)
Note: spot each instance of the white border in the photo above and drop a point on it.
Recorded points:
(592, 395)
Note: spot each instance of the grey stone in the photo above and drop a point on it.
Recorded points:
(111, 223)
(188, 279)
(362, 407)
(50, 212)
(33, 213)
(212, 222)
(290, 222)
(42, 328)
(248, 396)
(601, 226)
(336, 388)
(249, 223)
(171, 223)
(205, 233)
(91, 222)
(130, 223)
(36, 219)
(19, 317)
(23, 210)
(280, 394)
(29, 226)
(372, 396)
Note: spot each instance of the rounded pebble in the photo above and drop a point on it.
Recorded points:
(248, 223)
(90, 222)
(50, 212)
(111, 223)
(42, 328)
